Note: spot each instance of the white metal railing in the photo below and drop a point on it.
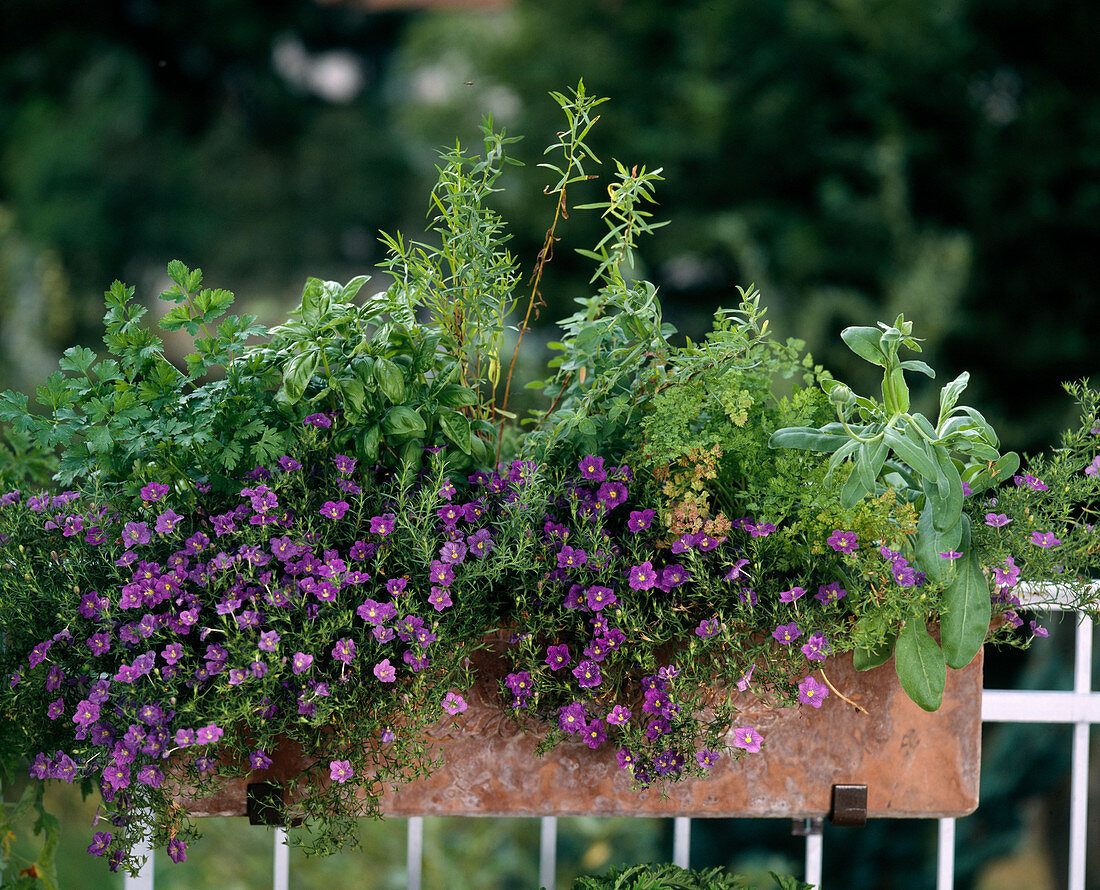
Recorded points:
(1079, 708)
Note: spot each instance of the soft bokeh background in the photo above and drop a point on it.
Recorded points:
(853, 158)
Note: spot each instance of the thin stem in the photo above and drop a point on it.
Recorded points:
(840, 694)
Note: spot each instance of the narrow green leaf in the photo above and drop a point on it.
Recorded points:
(949, 395)
(869, 463)
(920, 665)
(916, 456)
(918, 366)
(930, 543)
(853, 489)
(807, 439)
(864, 342)
(966, 610)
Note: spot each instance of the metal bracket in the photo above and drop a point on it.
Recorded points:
(849, 806)
(264, 801)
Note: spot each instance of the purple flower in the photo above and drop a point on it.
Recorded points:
(185, 737)
(572, 718)
(269, 640)
(441, 574)
(344, 464)
(569, 557)
(785, 634)
(673, 576)
(135, 533)
(843, 542)
(382, 525)
(259, 759)
(594, 734)
(344, 650)
(748, 738)
(440, 599)
(334, 509)
(101, 840)
(289, 464)
(1044, 539)
(810, 692)
(950, 554)
(301, 662)
(706, 759)
(481, 543)
(154, 491)
(643, 577)
(1093, 469)
(208, 734)
(385, 671)
(619, 716)
(598, 597)
(375, 612)
(640, 520)
(592, 468)
(557, 657)
(707, 628)
(340, 771)
(453, 552)
(453, 703)
(743, 683)
(588, 674)
(611, 494)
(99, 643)
(1008, 574)
(519, 683)
(817, 647)
(830, 593)
(167, 522)
(737, 570)
(1038, 630)
(789, 596)
(321, 421)
(759, 530)
(997, 520)
(1030, 482)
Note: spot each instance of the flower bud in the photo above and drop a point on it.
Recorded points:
(840, 394)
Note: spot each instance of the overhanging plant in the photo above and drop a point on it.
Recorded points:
(304, 532)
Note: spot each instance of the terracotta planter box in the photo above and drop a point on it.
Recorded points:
(914, 763)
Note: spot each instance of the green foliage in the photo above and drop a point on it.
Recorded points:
(672, 877)
(17, 873)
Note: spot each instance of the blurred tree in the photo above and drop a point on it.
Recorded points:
(852, 158)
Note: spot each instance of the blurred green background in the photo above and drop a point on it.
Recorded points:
(853, 158)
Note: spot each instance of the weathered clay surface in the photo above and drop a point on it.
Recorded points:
(914, 763)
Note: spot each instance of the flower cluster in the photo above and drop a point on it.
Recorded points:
(192, 643)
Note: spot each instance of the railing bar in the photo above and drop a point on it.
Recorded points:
(1040, 706)
(281, 862)
(1079, 781)
(548, 852)
(945, 861)
(815, 843)
(144, 879)
(1082, 668)
(681, 841)
(1078, 807)
(414, 852)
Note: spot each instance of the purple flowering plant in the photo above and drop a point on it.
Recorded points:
(304, 534)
